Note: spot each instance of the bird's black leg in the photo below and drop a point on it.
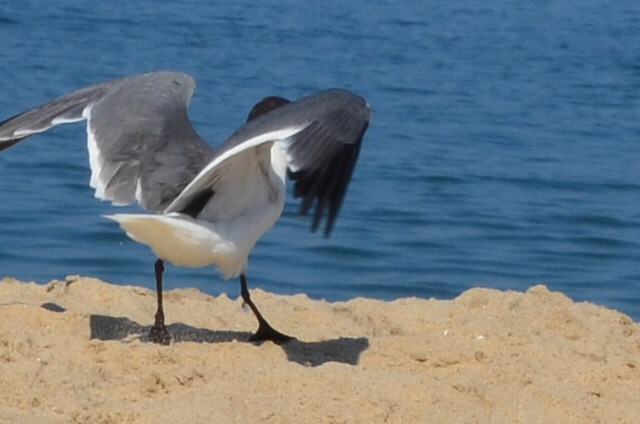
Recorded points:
(265, 331)
(159, 333)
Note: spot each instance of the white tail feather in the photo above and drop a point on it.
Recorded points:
(184, 241)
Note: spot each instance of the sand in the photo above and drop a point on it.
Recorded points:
(75, 351)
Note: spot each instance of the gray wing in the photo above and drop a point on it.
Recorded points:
(141, 143)
(320, 135)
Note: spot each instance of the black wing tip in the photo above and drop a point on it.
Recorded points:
(325, 195)
(328, 187)
(8, 143)
(317, 221)
(322, 186)
(10, 140)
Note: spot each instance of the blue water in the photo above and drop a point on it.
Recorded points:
(504, 149)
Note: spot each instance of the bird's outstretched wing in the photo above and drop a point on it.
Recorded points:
(320, 136)
(141, 143)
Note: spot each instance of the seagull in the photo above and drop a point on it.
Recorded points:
(207, 206)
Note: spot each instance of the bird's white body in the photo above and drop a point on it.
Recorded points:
(224, 240)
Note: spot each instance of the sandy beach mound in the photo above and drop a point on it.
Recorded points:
(75, 351)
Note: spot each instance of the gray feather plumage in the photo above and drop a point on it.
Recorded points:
(150, 152)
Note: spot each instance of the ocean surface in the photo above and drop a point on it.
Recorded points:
(504, 149)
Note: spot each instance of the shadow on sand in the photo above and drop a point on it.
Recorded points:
(344, 350)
